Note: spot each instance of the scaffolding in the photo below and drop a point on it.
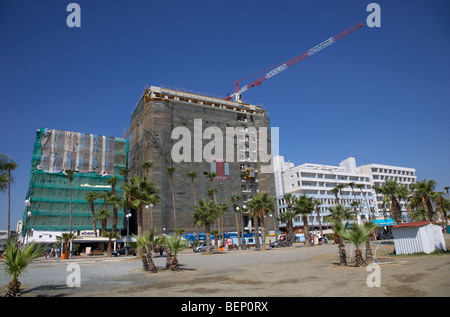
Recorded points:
(95, 159)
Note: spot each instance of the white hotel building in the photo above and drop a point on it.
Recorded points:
(317, 180)
(380, 173)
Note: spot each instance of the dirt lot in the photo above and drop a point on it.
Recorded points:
(295, 271)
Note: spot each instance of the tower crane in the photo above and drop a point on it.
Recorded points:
(275, 70)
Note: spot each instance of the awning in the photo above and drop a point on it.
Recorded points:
(91, 239)
(384, 222)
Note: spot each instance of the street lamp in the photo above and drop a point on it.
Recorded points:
(25, 225)
(128, 233)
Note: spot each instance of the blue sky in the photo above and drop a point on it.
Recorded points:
(381, 95)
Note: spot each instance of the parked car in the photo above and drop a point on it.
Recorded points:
(277, 244)
(202, 248)
(122, 251)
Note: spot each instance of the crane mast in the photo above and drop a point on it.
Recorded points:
(278, 69)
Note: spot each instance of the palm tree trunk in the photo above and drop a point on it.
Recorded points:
(263, 235)
(320, 222)
(223, 233)
(396, 210)
(306, 230)
(369, 255)
(255, 219)
(140, 221)
(168, 258)
(70, 204)
(173, 203)
(13, 288)
(237, 226)
(358, 257)
(150, 263)
(94, 225)
(103, 226)
(115, 213)
(175, 265)
(9, 202)
(144, 262)
(208, 238)
(193, 190)
(342, 253)
(291, 232)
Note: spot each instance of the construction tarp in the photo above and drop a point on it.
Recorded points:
(95, 159)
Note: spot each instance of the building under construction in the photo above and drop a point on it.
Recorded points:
(193, 133)
(94, 158)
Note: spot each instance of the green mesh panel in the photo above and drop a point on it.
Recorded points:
(49, 192)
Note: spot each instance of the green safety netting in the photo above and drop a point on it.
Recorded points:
(94, 158)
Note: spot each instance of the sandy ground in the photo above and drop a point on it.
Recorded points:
(296, 271)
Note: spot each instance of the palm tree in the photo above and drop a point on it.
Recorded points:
(222, 209)
(113, 182)
(90, 197)
(338, 229)
(145, 244)
(69, 174)
(116, 201)
(138, 193)
(287, 217)
(338, 190)
(170, 171)
(175, 245)
(337, 215)
(236, 199)
(162, 241)
(288, 198)
(441, 204)
(65, 239)
(304, 206)
(335, 191)
(147, 166)
(357, 235)
(3, 174)
(260, 206)
(393, 192)
(205, 214)
(212, 193)
(370, 227)
(317, 203)
(152, 199)
(423, 190)
(16, 260)
(8, 165)
(110, 235)
(193, 175)
(103, 215)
